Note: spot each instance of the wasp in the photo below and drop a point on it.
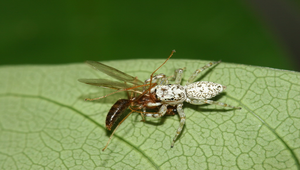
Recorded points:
(139, 100)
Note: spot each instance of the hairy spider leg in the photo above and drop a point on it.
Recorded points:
(178, 75)
(194, 75)
(162, 111)
(159, 79)
(201, 101)
(182, 122)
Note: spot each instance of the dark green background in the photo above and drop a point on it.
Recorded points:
(51, 32)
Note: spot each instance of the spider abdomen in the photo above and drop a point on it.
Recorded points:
(203, 90)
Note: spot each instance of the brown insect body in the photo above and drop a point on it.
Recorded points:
(116, 111)
(136, 104)
(143, 100)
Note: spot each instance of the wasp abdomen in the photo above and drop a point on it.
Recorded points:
(115, 111)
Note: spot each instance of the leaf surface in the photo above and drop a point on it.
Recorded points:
(45, 122)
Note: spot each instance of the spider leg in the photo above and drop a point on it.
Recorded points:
(162, 111)
(178, 75)
(159, 79)
(194, 75)
(182, 121)
(201, 101)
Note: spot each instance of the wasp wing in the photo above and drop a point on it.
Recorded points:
(111, 84)
(117, 74)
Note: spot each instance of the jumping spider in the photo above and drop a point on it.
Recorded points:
(196, 93)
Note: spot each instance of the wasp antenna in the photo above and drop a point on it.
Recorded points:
(173, 51)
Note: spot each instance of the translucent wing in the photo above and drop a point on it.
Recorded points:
(117, 74)
(110, 84)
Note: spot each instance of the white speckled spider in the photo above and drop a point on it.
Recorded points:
(196, 93)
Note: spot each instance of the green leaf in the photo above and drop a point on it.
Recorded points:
(45, 123)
